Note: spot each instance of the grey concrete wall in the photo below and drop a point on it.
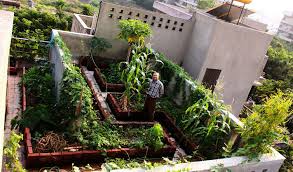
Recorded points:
(240, 53)
(6, 25)
(164, 39)
(199, 44)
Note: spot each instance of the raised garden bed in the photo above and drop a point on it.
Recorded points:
(101, 74)
(86, 156)
(162, 117)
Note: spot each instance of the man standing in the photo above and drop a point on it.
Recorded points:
(155, 91)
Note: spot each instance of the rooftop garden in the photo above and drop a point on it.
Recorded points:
(73, 127)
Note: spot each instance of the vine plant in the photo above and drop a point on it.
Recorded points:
(11, 152)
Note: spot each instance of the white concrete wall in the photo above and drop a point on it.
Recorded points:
(166, 40)
(6, 25)
(240, 53)
(199, 44)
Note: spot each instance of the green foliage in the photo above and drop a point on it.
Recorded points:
(36, 118)
(201, 116)
(118, 163)
(155, 136)
(135, 73)
(35, 25)
(39, 83)
(287, 152)
(83, 124)
(112, 73)
(99, 45)
(134, 31)
(206, 4)
(279, 74)
(11, 148)
(87, 9)
(264, 126)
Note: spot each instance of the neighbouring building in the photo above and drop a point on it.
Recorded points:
(208, 48)
(285, 31)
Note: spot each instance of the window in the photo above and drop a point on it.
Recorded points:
(121, 11)
(168, 21)
(112, 9)
(180, 29)
(166, 27)
(152, 23)
(110, 15)
(175, 22)
(159, 25)
(154, 18)
(210, 78)
(161, 19)
(137, 15)
(146, 16)
(120, 17)
(144, 21)
(182, 24)
(130, 13)
(174, 28)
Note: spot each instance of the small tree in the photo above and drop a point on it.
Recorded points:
(134, 32)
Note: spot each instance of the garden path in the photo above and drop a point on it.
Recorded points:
(13, 107)
(102, 95)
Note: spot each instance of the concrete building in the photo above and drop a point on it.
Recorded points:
(209, 49)
(285, 31)
(6, 25)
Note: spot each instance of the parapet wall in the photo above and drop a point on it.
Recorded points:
(170, 34)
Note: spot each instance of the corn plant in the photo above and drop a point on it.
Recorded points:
(134, 32)
(135, 73)
(207, 123)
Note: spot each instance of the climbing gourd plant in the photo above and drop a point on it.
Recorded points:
(134, 32)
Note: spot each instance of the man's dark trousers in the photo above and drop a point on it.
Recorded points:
(149, 107)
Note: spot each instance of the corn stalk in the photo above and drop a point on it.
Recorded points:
(135, 73)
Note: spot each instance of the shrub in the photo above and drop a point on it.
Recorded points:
(39, 83)
(11, 152)
(264, 126)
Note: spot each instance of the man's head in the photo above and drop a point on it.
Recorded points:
(156, 76)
